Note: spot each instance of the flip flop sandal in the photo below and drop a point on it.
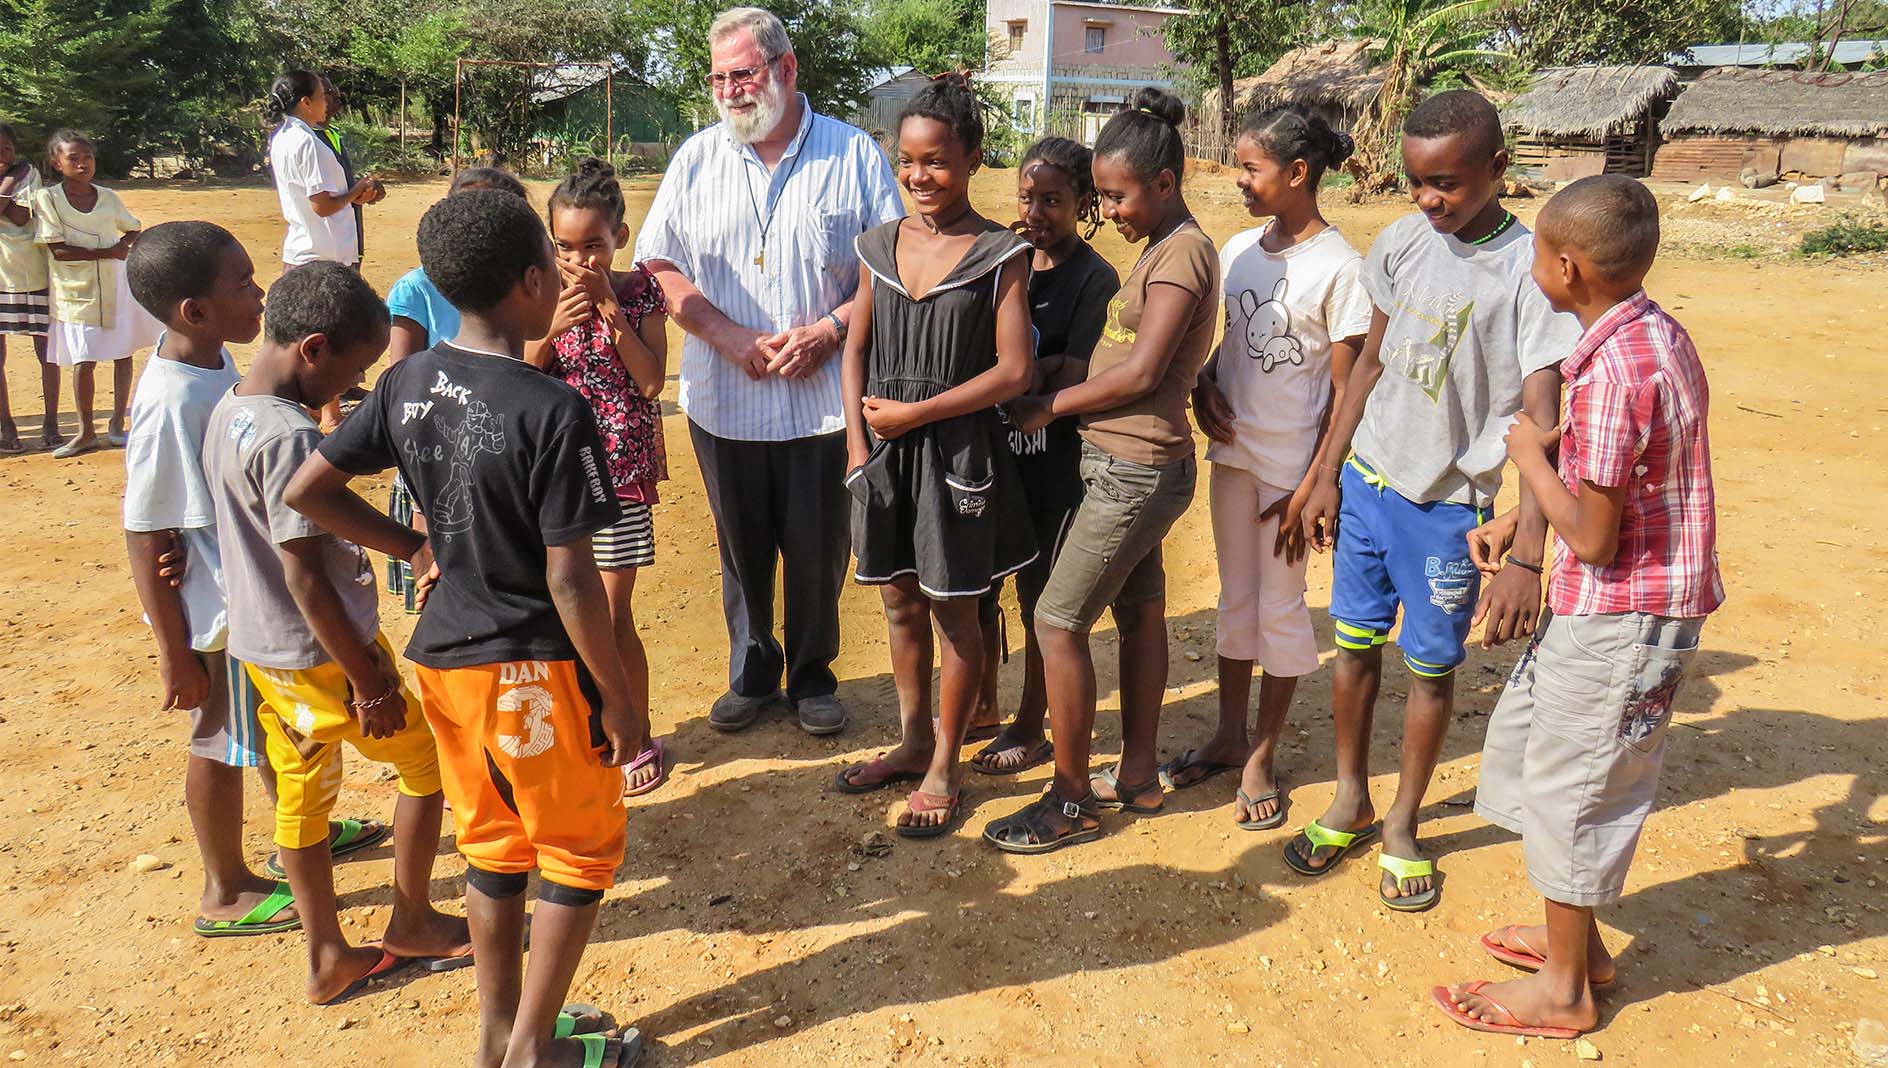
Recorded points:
(1512, 1025)
(1322, 837)
(11, 447)
(578, 1018)
(1034, 756)
(875, 766)
(1525, 958)
(1276, 819)
(451, 962)
(1123, 791)
(260, 920)
(920, 803)
(1183, 762)
(75, 447)
(387, 965)
(1029, 831)
(656, 754)
(596, 1047)
(983, 732)
(351, 837)
(1405, 870)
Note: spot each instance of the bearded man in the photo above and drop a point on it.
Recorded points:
(750, 236)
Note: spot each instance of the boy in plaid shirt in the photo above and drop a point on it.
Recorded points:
(1576, 743)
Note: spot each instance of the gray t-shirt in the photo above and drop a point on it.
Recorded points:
(1467, 324)
(253, 447)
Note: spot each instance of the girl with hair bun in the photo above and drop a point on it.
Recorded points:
(939, 338)
(607, 340)
(1296, 317)
(1138, 472)
(1069, 288)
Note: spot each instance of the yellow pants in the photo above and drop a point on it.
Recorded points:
(305, 719)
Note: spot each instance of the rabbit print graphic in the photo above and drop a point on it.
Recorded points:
(1269, 339)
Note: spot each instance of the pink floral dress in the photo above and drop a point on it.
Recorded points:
(631, 426)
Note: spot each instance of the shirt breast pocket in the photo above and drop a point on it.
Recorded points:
(829, 242)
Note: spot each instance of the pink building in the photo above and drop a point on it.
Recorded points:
(1076, 60)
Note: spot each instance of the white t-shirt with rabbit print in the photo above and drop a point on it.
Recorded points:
(1283, 310)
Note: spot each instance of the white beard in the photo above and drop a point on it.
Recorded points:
(749, 127)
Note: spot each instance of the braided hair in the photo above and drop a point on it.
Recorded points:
(288, 89)
(948, 100)
(1147, 135)
(1075, 161)
(594, 188)
(1290, 133)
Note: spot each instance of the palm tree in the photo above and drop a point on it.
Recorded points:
(1417, 42)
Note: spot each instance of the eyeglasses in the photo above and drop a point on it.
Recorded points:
(737, 77)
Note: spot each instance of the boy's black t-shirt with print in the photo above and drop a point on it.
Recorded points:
(503, 460)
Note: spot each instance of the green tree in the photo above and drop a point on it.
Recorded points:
(931, 35)
(1424, 43)
(1218, 41)
(420, 52)
(1553, 33)
(79, 63)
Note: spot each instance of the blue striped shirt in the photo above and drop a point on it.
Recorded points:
(832, 184)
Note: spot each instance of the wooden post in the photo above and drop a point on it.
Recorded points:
(609, 114)
(403, 115)
(458, 68)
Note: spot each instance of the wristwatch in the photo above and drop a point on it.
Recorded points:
(839, 325)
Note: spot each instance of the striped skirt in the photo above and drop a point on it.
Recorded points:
(25, 313)
(630, 542)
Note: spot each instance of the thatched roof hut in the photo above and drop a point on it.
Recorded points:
(1335, 79)
(1589, 102)
(1576, 121)
(1769, 122)
(1782, 103)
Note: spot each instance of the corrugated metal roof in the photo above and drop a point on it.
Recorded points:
(1764, 54)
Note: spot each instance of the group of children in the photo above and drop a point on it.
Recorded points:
(1362, 405)
(524, 430)
(1012, 407)
(63, 285)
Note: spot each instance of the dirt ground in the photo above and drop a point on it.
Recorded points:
(749, 928)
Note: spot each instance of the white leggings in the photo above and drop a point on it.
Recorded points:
(1262, 611)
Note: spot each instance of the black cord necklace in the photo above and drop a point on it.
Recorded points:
(766, 222)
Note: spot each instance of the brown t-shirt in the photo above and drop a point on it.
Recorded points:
(1153, 429)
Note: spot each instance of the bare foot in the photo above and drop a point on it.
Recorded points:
(648, 773)
(331, 978)
(1532, 941)
(1531, 1001)
(618, 1051)
(427, 934)
(1400, 841)
(939, 790)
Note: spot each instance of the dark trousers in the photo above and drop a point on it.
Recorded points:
(779, 500)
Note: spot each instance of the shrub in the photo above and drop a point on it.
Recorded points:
(1848, 235)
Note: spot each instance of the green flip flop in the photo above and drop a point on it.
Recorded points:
(260, 920)
(577, 1015)
(349, 836)
(1322, 837)
(1405, 870)
(596, 1047)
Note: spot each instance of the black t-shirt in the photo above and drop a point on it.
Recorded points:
(1068, 306)
(503, 460)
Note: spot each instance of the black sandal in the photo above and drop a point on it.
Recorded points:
(1030, 830)
(1124, 791)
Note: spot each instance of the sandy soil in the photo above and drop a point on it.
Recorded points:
(749, 928)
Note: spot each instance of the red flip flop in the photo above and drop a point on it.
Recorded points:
(1525, 958)
(921, 803)
(386, 965)
(1511, 1025)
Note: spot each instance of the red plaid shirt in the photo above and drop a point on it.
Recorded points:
(1636, 407)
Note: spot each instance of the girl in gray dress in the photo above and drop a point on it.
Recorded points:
(939, 337)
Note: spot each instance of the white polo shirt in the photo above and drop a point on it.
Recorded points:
(832, 184)
(303, 167)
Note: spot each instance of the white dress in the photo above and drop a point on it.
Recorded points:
(94, 318)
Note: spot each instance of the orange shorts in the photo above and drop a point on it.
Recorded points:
(519, 756)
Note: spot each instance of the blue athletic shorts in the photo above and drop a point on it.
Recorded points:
(1393, 551)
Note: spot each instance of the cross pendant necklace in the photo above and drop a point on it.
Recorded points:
(766, 222)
